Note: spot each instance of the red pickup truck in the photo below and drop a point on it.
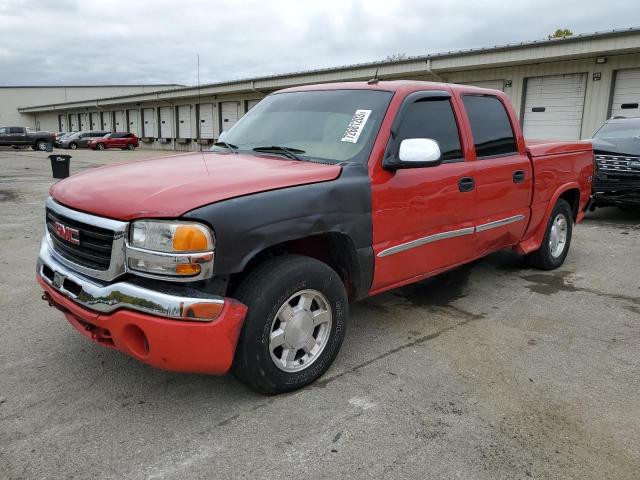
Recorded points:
(245, 258)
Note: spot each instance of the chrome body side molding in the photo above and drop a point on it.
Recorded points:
(424, 240)
(450, 234)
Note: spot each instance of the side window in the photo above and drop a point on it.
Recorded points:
(16, 130)
(433, 118)
(490, 126)
(4, 130)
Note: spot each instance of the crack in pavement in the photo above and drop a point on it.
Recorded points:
(468, 318)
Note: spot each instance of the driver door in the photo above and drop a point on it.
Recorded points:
(423, 217)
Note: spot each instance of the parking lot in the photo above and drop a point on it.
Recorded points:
(490, 371)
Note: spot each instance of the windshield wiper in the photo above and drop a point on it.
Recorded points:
(288, 152)
(228, 146)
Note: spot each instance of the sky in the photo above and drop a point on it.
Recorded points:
(84, 42)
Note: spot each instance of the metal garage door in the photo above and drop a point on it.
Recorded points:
(119, 121)
(251, 104)
(626, 94)
(73, 120)
(84, 122)
(134, 124)
(94, 121)
(184, 121)
(106, 121)
(165, 122)
(149, 126)
(206, 120)
(231, 113)
(62, 123)
(495, 84)
(553, 106)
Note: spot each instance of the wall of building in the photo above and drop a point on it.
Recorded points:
(598, 93)
(13, 97)
(598, 96)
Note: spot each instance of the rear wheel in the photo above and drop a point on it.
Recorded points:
(40, 145)
(557, 239)
(295, 324)
(130, 146)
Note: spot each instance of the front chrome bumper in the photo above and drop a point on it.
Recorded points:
(109, 297)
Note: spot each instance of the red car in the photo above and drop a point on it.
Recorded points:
(123, 140)
(247, 257)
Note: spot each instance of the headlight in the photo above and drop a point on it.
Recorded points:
(166, 248)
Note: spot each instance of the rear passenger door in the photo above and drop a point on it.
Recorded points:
(118, 140)
(502, 174)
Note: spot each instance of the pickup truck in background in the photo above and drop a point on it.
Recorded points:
(24, 137)
(245, 258)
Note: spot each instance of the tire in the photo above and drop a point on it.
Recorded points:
(553, 250)
(40, 145)
(73, 146)
(100, 146)
(130, 146)
(279, 288)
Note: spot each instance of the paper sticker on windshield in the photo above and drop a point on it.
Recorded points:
(356, 125)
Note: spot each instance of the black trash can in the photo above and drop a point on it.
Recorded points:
(60, 165)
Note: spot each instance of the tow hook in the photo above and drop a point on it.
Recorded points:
(47, 298)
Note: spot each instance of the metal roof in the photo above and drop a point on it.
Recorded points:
(97, 85)
(380, 63)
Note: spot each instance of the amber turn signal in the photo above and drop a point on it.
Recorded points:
(190, 238)
(187, 269)
(209, 311)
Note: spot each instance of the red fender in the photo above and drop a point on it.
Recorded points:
(534, 240)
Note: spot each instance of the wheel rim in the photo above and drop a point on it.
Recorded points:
(72, 146)
(300, 331)
(558, 235)
(130, 146)
(100, 146)
(42, 145)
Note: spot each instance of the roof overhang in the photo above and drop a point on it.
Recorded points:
(576, 47)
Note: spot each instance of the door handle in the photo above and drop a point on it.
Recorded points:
(518, 176)
(466, 184)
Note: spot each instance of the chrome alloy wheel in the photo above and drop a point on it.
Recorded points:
(558, 235)
(300, 331)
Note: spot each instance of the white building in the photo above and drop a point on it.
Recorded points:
(562, 88)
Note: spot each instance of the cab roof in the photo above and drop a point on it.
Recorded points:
(390, 86)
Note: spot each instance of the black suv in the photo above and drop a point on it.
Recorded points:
(616, 145)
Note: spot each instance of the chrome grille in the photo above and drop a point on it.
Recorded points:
(91, 245)
(618, 163)
(94, 247)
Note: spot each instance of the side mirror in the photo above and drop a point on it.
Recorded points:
(415, 152)
(419, 150)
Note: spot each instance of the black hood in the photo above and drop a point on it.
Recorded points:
(619, 146)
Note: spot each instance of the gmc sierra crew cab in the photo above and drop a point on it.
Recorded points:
(245, 258)
(23, 137)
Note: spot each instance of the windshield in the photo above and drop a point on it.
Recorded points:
(625, 129)
(328, 125)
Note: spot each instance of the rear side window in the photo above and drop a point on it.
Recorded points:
(16, 130)
(490, 126)
(433, 118)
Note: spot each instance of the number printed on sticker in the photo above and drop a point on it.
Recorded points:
(356, 125)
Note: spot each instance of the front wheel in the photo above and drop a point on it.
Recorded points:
(100, 146)
(557, 239)
(295, 324)
(73, 146)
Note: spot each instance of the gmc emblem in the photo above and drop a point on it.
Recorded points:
(67, 233)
